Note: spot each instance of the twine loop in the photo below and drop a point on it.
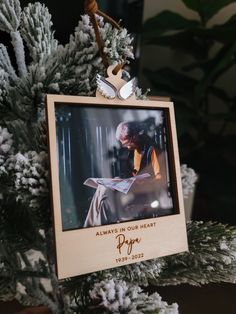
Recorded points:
(91, 7)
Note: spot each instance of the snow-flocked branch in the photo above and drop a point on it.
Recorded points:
(36, 30)
(118, 296)
(5, 63)
(10, 16)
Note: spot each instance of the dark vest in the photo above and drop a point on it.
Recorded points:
(146, 155)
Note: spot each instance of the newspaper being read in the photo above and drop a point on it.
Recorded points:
(121, 185)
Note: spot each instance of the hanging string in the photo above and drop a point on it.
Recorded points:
(91, 8)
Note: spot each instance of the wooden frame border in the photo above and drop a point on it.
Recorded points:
(83, 251)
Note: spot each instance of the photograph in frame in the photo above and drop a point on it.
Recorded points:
(115, 166)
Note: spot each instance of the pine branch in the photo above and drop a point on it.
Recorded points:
(10, 12)
(10, 15)
(19, 129)
(117, 296)
(38, 296)
(211, 257)
(7, 279)
(36, 30)
(18, 46)
(81, 60)
(5, 64)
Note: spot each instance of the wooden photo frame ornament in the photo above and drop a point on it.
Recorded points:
(85, 250)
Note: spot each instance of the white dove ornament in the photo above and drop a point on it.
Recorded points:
(114, 86)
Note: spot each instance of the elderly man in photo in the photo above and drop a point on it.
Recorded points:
(108, 206)
(132, 136)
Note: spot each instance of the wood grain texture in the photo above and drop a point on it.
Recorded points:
(83, 251)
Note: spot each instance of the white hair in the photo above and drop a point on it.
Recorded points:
(122, 130)
(129, 129)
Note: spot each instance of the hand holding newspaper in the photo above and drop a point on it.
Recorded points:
(121, 185)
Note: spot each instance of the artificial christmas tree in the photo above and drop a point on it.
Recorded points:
(27, 266)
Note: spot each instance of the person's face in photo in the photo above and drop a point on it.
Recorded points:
(131, 143)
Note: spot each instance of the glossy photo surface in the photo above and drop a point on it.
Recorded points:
(129, 146)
